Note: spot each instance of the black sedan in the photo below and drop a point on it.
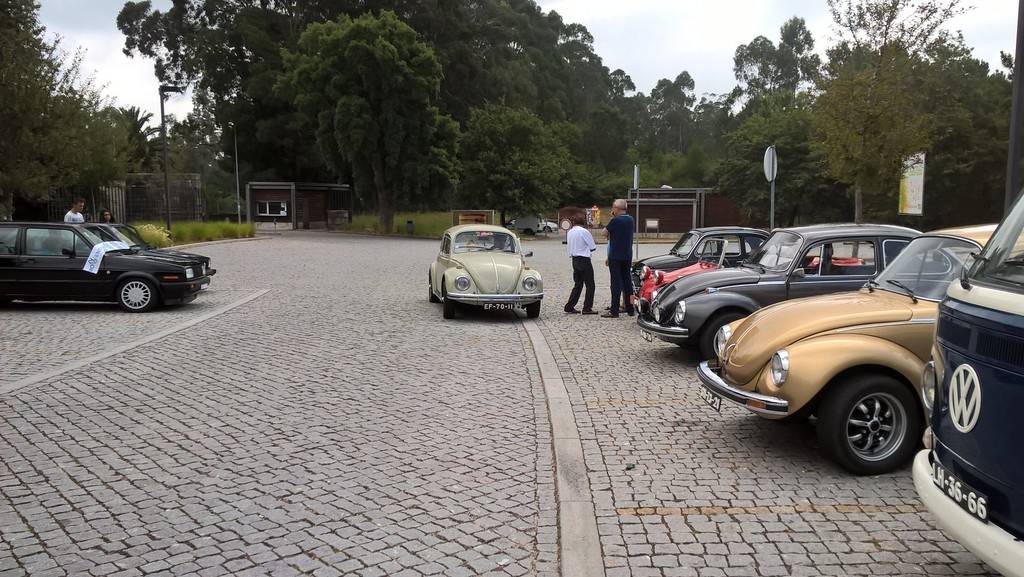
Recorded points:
(47, 262)
(740, 243)
(127, 234)
(792, 263)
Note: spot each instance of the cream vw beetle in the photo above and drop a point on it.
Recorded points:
(484, 265)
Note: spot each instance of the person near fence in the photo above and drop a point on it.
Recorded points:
(620, 255)
(581, 243)
(106, 216)
(75, 214)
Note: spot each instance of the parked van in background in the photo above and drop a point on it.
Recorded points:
(971, 474)
(532, 225)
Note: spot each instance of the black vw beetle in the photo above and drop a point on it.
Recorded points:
(46, 261)
(792, 263)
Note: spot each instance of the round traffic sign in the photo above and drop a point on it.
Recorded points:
(771, 163)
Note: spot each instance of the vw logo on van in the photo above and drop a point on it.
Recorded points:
(964, 398)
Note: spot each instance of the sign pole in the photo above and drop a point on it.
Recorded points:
(636, 192)
(771, 171)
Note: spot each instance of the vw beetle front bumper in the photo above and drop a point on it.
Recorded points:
(763, 404)
(481, 299)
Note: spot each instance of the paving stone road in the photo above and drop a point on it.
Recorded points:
(338, 426)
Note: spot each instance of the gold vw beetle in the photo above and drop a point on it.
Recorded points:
(483, 265)
(852, 359)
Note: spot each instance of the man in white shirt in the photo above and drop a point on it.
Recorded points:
(75, 214)
(581, 243)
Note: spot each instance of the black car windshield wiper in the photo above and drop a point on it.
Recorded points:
(905, 288)
(1015, 261)
(754, 263)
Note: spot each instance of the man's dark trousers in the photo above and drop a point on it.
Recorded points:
(621, 283)
(582, 275)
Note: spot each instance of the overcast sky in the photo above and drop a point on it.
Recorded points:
(649, 39)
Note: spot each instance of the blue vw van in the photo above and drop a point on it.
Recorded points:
(971, 473)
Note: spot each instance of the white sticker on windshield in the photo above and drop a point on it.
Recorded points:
(92, 264)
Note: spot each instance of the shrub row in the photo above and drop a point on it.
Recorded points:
(186, 232)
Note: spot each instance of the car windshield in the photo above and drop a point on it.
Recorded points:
(91, 236)
(131, 236)
(685, 244)
(484, 240)
(1002, 261)
(778, 251)
(926, 267)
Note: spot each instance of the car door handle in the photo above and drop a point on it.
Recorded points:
(28, 260)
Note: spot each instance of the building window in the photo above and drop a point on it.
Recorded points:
(272, 208)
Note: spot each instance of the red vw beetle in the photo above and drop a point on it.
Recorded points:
(711, 259)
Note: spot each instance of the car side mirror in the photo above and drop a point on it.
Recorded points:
(528, 253)
(799, 273)
(67, 252)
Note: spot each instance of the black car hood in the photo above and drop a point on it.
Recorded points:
(163, 253)
(693, 284)
(167, 258)
(662, 262)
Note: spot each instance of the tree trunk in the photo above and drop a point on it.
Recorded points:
(385, 202)
(858, 204)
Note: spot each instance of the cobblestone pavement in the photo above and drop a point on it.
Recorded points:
(35, 337)
(683, 490)
(336, 425)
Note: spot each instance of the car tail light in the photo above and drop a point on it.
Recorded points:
(660, 277)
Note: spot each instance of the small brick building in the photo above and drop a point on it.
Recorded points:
(295, 205)
(677, 210)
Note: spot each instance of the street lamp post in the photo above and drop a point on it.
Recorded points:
(1014, 150)
(165, 89)
(238, 193)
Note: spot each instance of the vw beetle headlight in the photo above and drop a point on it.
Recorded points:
(529, 284)
(780, 367)
(929, 384)
(462, 283)
(190, 272)
(680, 313)
(721, 338)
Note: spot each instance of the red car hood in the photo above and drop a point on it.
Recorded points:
(651, 283)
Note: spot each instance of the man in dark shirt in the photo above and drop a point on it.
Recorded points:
(620, 255)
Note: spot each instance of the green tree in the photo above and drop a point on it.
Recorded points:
(762, 67)
(965, 170)
(57, 130)
(141, 147)
(512, 161)
(803, 192)
(369, 86)
(873, 114)
(671, 110)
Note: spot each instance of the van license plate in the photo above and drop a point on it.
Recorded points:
(499, 306)
(967, 497)
(713, 400)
